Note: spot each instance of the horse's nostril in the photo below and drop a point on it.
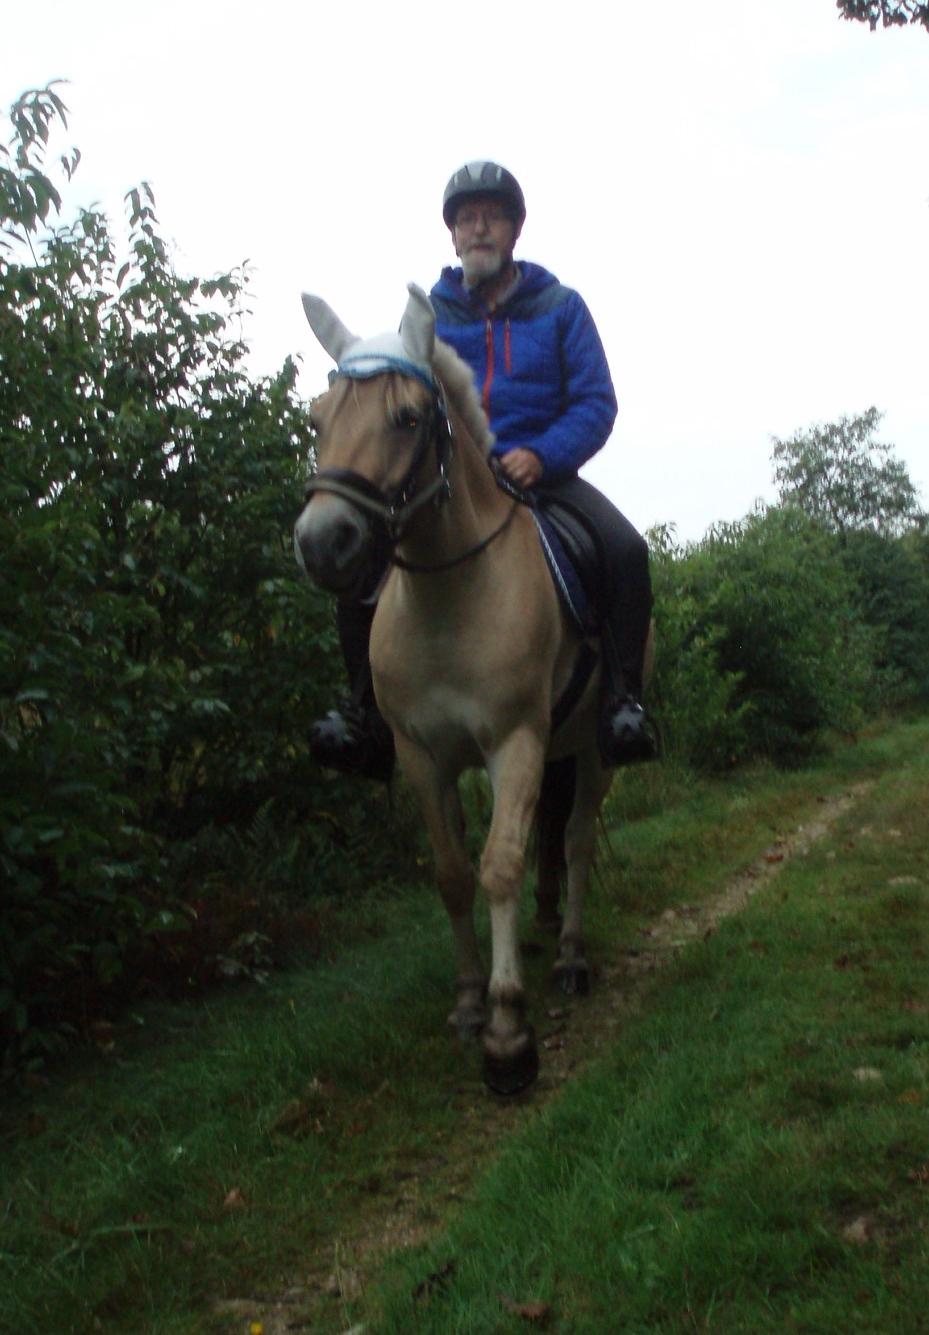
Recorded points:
(330, 546)
(345, 542)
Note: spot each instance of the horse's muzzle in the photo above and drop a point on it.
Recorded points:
(334, 544)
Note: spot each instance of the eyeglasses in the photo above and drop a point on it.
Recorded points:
(470, 216)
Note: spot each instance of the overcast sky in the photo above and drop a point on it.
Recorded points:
(739, 189)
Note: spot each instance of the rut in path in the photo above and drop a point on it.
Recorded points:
(413, 1204)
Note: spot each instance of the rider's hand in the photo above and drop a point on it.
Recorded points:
(523, 467)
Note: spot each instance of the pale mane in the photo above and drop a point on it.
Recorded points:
(458, 380)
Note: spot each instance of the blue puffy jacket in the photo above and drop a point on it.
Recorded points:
(539, 365)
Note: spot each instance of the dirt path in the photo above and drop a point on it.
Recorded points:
(407, 1209)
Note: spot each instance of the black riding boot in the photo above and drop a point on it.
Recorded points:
(625, 735)
(353, 738)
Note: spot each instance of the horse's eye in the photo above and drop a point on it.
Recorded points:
(405, 419)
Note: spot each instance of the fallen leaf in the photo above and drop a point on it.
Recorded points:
(912, 1096)
(920, 1175)
(293, 1118)
(860, 1230)
(234, 1200)
(57, 1225)
(774, 857)
(534, 1311)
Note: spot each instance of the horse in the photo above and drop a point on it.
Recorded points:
(471, 651)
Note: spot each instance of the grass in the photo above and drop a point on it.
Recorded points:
(754, 1154)
(723, 1164)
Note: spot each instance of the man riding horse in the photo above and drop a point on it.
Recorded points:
(545, 385)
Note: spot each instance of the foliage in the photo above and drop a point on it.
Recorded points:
(840, 475)
(772, 655)
(891, 13)
(160, 657)
(693, 696)
(891, 593)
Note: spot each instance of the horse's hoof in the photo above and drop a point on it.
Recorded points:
(511, 1074)
(467, 1022)
(573, 979)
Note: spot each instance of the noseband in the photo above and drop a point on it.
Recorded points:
(393, 510)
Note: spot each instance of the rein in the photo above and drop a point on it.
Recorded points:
(478, 547)
(394, 510)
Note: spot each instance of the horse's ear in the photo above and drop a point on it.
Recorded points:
(327, 327)
(417, 328)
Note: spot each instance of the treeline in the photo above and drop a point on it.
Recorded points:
(161, 658)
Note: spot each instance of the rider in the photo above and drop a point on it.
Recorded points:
(546, 388)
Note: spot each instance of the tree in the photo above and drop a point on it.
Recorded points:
(844, 478)
(890, 13)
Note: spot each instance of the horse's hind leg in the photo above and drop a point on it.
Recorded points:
(441, 808)
(591, 785)
(511, 1060)
(555, 802)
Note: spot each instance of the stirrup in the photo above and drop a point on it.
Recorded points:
(625, 735)
(353, 740)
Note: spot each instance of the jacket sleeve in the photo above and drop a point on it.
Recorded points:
(588, 399)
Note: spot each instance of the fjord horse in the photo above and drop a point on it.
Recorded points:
(470, 648)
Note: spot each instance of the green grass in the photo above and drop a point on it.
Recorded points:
(751, 1155)
(699, 1174)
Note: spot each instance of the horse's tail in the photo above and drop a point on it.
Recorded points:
(555, 802)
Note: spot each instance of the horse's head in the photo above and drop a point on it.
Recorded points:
(382, 445)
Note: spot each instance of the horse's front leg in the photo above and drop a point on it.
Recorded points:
(441, 807)
(511, 1060)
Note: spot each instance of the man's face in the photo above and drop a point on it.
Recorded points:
(484, 236)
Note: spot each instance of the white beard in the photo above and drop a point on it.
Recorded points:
(479, 265)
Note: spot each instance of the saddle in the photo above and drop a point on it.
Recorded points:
(571, 550)
(574, 559)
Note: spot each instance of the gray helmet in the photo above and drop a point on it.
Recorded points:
(483, 178)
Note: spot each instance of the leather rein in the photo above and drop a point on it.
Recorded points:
(394, 510)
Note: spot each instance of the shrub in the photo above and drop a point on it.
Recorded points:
(776, 595)
(161, 657)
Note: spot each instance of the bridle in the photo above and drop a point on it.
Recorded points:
(394, 510)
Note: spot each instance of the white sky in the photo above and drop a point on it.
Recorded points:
(739, 190)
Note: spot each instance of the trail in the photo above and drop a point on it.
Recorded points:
(405, 1211)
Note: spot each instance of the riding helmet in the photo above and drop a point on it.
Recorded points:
(483, 178)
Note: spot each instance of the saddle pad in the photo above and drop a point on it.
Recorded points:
(564, 573)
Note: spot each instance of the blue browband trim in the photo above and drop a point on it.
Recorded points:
(380, 365)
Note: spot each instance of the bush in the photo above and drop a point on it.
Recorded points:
(161, 657)
(692, 695)
(891, 583)
(762, 648)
